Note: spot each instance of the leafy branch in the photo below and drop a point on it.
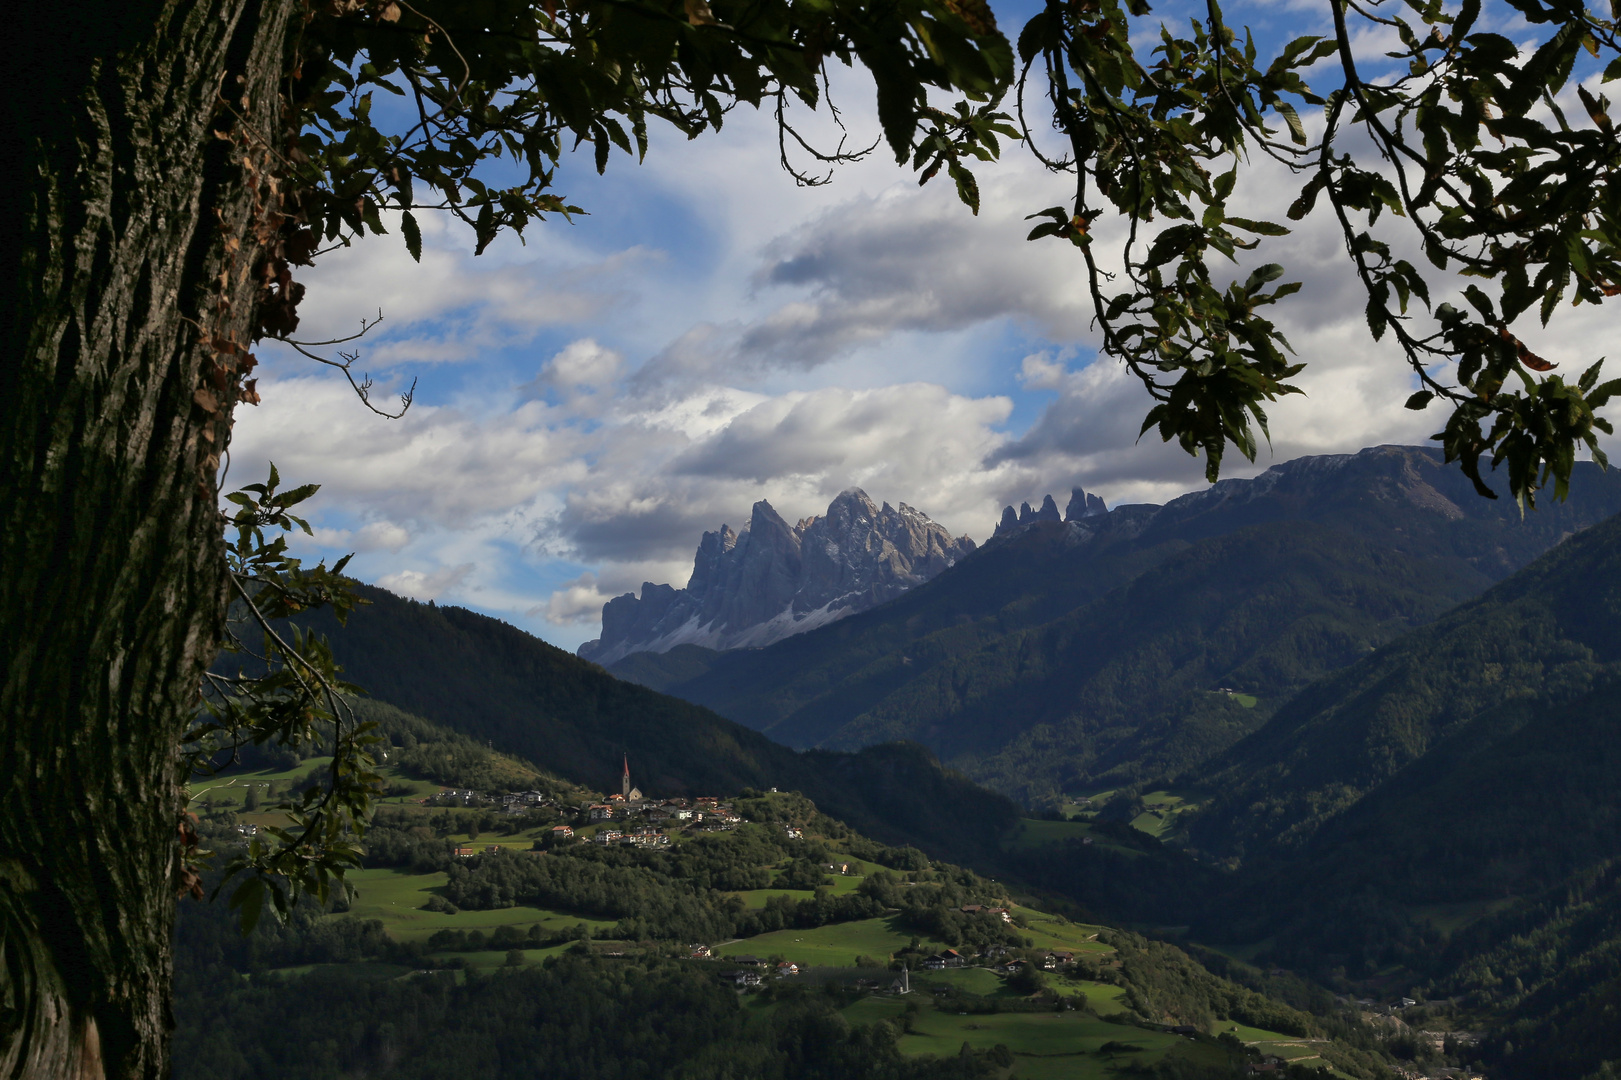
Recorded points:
(294, 696)
(1531, 217)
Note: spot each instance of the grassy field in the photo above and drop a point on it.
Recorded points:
(232, 789)
(1048, 1046)
(1163, 816)
(396, 897)
(1055, 932)
(1033, 833)
(836, 945)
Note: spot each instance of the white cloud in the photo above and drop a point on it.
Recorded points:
(610, 403)
(381, 536)
(425, 584)
(583, 363)
(575, 602)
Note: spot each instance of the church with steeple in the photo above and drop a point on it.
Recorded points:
(626, 791)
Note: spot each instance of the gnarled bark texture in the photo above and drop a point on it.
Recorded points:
(126, 253)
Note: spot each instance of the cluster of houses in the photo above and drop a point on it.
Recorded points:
(998, 959)
(635, 838)
(706, 811)
(752, 970)
(511, 802)
(462, 797)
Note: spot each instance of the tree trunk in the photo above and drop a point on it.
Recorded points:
(127, 245)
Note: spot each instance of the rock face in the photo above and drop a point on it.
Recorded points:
(1081, 505)
(774, 580)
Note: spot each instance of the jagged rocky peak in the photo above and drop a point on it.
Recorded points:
(1084, 505)
(773, 580)
(1081, 505)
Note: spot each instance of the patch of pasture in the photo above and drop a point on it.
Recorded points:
(396, 897)
(1059, 934)
(1048, 1046)
(1035, 833)
(835, 945)
(756, 898)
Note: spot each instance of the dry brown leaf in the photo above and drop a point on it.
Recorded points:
(698, 14)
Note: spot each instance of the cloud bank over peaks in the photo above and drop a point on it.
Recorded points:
(588, 412)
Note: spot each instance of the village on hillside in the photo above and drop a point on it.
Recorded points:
(772, 898)
(645, 822)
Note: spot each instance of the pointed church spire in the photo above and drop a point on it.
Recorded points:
(624, 781)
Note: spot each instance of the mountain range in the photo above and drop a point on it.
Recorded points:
(1393, 709)
(774, 580)
(503, 687)
(1140, 641)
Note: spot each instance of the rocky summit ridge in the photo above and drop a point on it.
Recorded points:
(1081, 505)
(773, 580)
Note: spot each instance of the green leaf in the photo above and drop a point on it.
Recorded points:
(413, 235)
(1297, 130)
(1419, 400)
(249, 901)
(1377, 318)
(1261, 275)
(1033, 38)
(1264, 228)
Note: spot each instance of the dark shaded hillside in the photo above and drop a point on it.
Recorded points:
(1448, 809)
(1539, 642)
(484, 678)
(1085, 653)
(1554, 968)
(1130, 685)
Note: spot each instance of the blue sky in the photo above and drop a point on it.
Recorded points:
(589, 402)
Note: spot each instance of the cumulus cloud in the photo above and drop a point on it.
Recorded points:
(381, 536)
(425, 584)
(622, 402)
(583, 363)
(438, 464)
(902, 260)
(574, 602)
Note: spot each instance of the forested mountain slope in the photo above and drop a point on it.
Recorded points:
(486, 679)
(1450, 807)
(1537, 654)
(1088, 653)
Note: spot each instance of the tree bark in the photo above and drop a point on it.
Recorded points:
(127, 250)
